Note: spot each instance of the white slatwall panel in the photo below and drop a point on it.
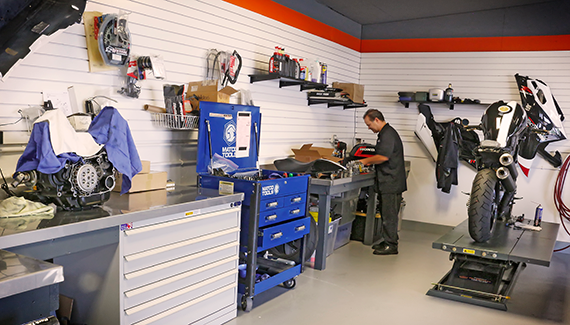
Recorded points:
(182, 31)
(488, 76)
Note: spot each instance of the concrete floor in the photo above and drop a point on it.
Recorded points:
(360, 288)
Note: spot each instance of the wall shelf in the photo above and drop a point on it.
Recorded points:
(451, 105)
(347, 104)
(287, 81)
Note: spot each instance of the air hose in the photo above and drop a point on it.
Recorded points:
(563, 209)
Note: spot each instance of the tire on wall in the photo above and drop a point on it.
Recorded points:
(483, 204)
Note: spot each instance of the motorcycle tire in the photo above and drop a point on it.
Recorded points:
(290, 251)
(483, 205)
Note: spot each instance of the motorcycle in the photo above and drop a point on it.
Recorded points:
(504, 127)
(512, 135)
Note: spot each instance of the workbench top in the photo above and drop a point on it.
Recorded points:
(115, 212)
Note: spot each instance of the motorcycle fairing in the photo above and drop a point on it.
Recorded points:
(23, 22)
(544, 115)
(503, 122)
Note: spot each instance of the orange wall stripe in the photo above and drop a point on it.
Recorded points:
(293, 18)
(469, 44)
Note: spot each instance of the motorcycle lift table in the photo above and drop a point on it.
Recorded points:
(325, 189)
(485, 273)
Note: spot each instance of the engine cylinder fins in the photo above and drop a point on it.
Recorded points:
(506, 159)
(86, 178)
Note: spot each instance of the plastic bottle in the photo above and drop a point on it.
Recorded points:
(288, 66)
(449, 94)
(302, 70)
(315, 71)
(274, 62)
(297, 69)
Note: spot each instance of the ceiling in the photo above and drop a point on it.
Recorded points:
(404, 19)
(367, 12)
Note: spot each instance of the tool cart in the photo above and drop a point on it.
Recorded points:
(274, 210)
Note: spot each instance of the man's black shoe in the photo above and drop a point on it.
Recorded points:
(380, 244)
(386, 250)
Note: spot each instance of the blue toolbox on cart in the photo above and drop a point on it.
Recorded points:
(274, 210)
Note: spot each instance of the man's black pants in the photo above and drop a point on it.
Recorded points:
(390, 207)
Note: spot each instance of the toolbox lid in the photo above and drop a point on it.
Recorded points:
(233, 134)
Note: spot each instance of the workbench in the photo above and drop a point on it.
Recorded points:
(484, 273)
(326, 189)
(170, 264)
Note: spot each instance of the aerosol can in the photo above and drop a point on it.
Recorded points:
(538, 216)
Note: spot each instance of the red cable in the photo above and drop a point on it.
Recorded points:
(563, 210)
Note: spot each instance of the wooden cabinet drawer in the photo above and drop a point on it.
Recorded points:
(168, 269)
(148, 258)
(166, 233)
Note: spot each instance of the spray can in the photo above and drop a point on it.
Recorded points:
(324, 73)
(538, 216)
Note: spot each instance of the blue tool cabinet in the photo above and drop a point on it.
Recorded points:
(274, 210)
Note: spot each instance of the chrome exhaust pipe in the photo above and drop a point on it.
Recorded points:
(506, 159)
(506, 179)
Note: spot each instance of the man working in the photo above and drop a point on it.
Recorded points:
(390, 179)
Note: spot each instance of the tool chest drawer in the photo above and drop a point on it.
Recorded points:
(165, 286)
(281, 202)
(171, 268)
(271, 217)
(272, 236)
(194, 311)
(283, 186)
(162, 254)
(145, 238)
(181, 295)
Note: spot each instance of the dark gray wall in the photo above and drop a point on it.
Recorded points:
(324, 14)
(551, 18)
(388, 19)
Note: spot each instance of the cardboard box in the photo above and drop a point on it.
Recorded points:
(145, 167)
(208, 90)
(140, 200)
(354, 91)
(308, 153)
(143, 182)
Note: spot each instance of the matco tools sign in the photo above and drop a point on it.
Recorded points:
(270, 190)
(230, 139)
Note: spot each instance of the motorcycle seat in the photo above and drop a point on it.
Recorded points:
(315, 166)
(293, 165)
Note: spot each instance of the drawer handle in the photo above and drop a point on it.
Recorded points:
(297, 199)
(272, 204)
(300, 228)
(271, 217)
(296, 211)
(277, 235)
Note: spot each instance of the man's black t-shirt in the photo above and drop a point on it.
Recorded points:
(391, 174)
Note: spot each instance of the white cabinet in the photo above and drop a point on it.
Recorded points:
(180, 268)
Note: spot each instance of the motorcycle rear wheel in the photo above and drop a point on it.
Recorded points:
(483, 205)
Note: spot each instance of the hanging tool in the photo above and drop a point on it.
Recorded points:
(136, 70)
(221, 65)
(209, 138)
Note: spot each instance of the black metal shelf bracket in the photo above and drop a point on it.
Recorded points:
(287, 81)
